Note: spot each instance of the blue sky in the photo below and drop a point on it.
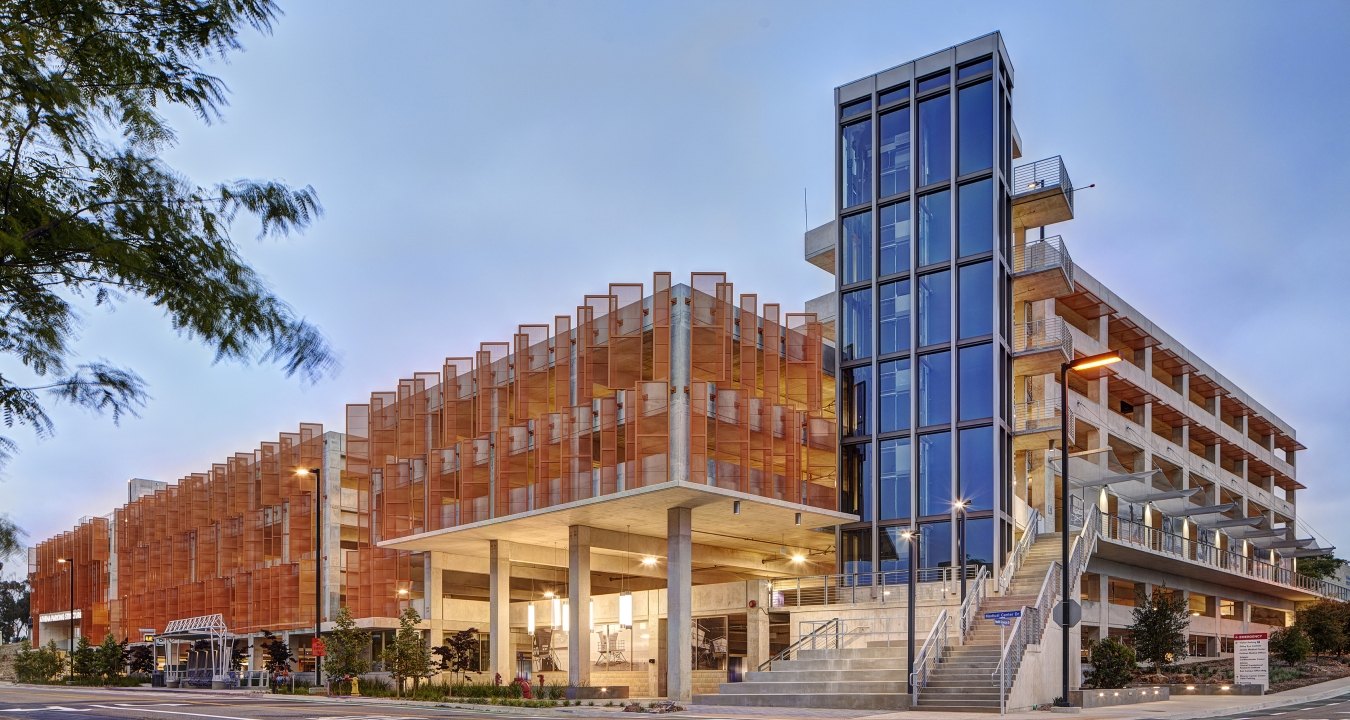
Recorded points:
(484, 165)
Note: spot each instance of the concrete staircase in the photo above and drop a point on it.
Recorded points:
(862, 678)
(963, 680)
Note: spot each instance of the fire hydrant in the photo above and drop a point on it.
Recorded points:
(356, 687)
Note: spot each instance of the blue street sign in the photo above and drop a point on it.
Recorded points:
(1002, 622)
(1003, 614)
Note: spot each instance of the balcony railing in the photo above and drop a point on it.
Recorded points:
(1041, 175)
(854, 588)
(1129, 532)
(1043, 254)
(1038, 416)
(1041, 335)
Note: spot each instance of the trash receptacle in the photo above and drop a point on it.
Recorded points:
(157, 678)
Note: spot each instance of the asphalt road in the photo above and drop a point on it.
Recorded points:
(62, 703)
(1337, 708)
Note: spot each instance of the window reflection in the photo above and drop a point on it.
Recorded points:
(855, 258)
(895, 487)
(975, 284)
(855, 493)
(975, 128)
(979, 542)
(935, 473)
(935, 306)
(895, 152)
(893, 317)
(935, 140)
(935, 550)
(935, 384)
(977, 477)
(857, 388)
(855, 549)
(975, 221)
(935, 228)
(976, 383)
(855, 336)
(894, 405)
(856, 159)
(894, 239)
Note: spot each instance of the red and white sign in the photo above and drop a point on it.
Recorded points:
(1251, 659)
(316, 646)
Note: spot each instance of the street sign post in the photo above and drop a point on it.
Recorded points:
(1003, 618)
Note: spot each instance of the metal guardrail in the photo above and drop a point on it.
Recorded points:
(1042, 254)
(856, 588)
(929, 655)
(1044, 334)
(838, 634)
(819, 638)
(1043, 174)
(1019, 553)
(1039, 415)
(974, 598)
(1136, 534)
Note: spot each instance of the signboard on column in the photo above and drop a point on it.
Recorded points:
(1251, 659)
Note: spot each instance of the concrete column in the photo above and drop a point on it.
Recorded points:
(500, 652)
(757, 624)
(579, 605)
(679, 623)
(1246, 616)
(678, 409)
(432, 565)
(334, 460)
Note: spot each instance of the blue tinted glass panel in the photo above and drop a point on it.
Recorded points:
(975, 68)
(978, 536)
(855, 550)
(975, 283)
(935, 474)
(854, 109)
(935, 386)
(934, 81)
(894, 405)
(894, 95)
(855, 332)
(894, 238)
(895, 152)
(855, 493)
(857, 391)
(978, 477)
(855, 257)
(856, 160)
(893, 317)
(894, 555)
(975, 220)
(935, 228)
(935, 550)
(975, 128)
(935, 140)
(895, 482)
(975, 387)
(935, 307)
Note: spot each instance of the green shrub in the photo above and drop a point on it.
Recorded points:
(1113, 664)
(1291, 645)
(42, 665)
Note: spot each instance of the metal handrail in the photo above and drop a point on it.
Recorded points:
(1039, 415)
(857, 588)
(974, 598)
(1019, 553)
(1041, 175)
(1043, 334)
(928, 655)
(1042, 254)
(1028, 628)
(824, 630)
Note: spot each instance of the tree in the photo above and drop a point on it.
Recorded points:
(10, 533)
(1290, 645)
(110, 657)
(15, 620)
(1113, 664)
(1320, 566)
(89, 209)
(141, 660)
(278, 653)
(1324, 622)
(39, 665)
(1159, 630)
(461, 653)
(410, 656)
(346, 647)
(84, 664)
(238, 654)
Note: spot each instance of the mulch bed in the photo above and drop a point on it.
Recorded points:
(1315, 670)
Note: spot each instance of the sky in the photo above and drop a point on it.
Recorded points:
(484, 165)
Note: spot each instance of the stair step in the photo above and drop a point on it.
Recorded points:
(828, 664)
(838, 701)
(808, 676)
(811, 688)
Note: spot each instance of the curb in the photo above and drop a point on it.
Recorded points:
(1273, 702)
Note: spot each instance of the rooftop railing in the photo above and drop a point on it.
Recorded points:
(1041, 175)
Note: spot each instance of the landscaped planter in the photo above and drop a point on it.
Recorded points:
(1213, 689)
(1090, 698)
(604, 692)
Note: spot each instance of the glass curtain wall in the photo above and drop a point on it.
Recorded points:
(922, 271)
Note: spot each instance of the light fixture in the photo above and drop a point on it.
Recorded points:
(62, 561)
(556, 612)
(797, 558)
(565, 615)
(1190, 687)
(735, 507)
(798, 519)
(907, 534)
(1223, 687)
(548, 594)
(529, 618)
(590, 621)
(1095, 361)
(649, 561)
(403, 592)
(626, 609)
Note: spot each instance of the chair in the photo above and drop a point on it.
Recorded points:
(545, 659)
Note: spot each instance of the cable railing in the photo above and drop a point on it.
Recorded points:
(1044, 334)
(1043, 174)
(1042, 254)
(840, 634)
(929, 655)
(1039, 415)
(856, 588)
(1137, 534)
(1019, 553)
(824, 636)
(974, 598)
(1027, 629)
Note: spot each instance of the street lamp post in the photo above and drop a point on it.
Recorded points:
(318, 566)
(961, 506)
(70, 574)
(912, 535)
(1087, 363)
